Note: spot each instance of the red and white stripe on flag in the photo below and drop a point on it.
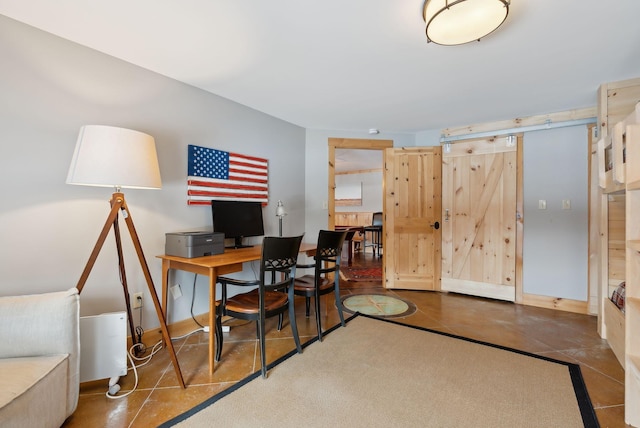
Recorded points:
(220, 175)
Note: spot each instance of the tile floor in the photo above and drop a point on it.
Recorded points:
(555, 334)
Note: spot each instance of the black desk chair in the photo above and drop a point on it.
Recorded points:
(326, 277)
(375, 231)
(273, 295)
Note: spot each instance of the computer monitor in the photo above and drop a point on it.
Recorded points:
(237, 220)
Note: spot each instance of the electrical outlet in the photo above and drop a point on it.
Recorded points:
(137, 300)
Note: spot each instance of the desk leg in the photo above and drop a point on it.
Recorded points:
(212, 318)
(350, 243)
(364, 242)
(165, 285)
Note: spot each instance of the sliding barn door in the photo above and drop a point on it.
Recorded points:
(479, 217)
(411, 228)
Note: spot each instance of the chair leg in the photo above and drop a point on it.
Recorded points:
(373, 243)
(280, 321)
(307, 303)
(219, 336)
(318, 321)
(336, 291)
(263, 348)
(294, 327)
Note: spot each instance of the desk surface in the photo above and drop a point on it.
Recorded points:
(230, 256)
(356, 228)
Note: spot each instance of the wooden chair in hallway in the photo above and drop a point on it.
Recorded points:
(272, 296)
(326, 276)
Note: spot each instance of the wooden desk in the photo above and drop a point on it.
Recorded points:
(213, 266)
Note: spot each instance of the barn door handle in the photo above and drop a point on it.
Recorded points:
(436, 225)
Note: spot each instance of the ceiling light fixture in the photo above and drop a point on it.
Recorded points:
(455, 22)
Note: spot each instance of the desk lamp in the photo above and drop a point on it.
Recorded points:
(280, 212)
(107, 156)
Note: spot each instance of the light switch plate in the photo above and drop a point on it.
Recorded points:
(176, 291)
(542, 204)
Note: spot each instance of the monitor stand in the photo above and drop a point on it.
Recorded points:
(238, 243)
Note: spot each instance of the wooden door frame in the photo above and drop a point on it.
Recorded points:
(347, 143)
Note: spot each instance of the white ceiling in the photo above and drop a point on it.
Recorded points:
(358, 160)
(360, 64)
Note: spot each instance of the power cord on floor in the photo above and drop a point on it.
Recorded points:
(140, 348)
(114, 388)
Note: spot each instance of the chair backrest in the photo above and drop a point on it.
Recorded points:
(279, 255)
(328, 250)
(376, 219)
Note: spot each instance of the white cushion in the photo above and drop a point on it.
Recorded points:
(30, 391)
(44, 325)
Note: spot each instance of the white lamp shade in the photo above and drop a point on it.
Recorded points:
(451, 22)
(108, 156)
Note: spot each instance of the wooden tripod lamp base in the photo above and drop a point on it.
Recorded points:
(118, 204)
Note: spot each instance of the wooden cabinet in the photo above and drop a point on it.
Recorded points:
(610, 165)
(618, 157)
(630, 137)
(615, 101)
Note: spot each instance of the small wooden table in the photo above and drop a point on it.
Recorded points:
(213, 266)
(351, 231)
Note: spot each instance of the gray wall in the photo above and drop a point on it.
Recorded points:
(371, 183)
(51, 87)
(555, 252)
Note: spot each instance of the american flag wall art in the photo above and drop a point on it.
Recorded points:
(216, 174)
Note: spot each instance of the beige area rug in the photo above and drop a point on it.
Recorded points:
(379, 373)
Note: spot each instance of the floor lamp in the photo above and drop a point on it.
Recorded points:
(107, 156)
